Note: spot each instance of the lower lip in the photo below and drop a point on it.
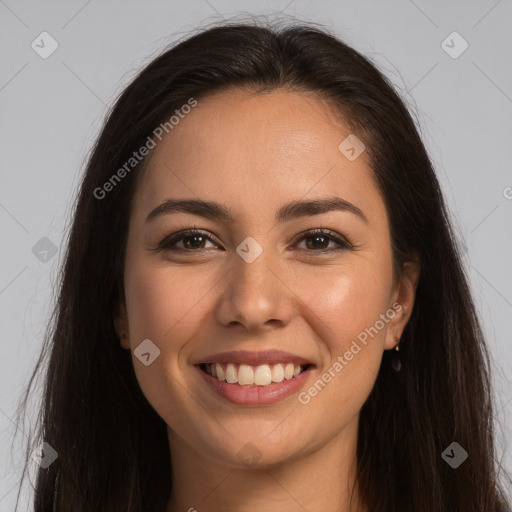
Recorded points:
(256, 395)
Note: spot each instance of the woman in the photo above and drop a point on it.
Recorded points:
(262, 304)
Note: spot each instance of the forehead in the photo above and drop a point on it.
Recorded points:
(241, 149)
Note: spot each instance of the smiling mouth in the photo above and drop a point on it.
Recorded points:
(252, 376)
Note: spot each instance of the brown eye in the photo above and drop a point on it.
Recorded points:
(318, 241)
(192, 241)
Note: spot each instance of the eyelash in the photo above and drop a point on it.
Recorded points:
(169, 240)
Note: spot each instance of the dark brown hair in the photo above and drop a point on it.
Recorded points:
(113, 452)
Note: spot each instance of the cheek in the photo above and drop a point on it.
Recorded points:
(342, 304)
(344, 310)
(164, 306)
(162, 302)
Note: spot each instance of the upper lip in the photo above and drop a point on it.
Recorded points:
(255, 358)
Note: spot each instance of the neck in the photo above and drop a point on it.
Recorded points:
(324, 479)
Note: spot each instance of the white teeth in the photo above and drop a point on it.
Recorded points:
(288, 371)
(220, 372)
(231, 374)
(277, 373)
(247, 375)
(263, 375)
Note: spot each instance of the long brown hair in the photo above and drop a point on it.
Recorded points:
(113, 452)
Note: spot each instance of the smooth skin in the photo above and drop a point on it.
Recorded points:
(254, 153)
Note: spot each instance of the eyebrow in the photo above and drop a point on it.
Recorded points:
(293, 210)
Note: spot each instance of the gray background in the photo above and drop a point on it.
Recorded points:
(52, 110)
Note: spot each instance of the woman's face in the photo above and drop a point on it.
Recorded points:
(259, 282)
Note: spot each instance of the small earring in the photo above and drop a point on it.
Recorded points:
(396, 362)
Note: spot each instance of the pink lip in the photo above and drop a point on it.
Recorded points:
(254, 358)
(256, 395)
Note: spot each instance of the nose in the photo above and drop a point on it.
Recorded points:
(255, 296)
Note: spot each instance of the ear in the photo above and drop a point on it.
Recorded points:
(121, 324)
(402, 302)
